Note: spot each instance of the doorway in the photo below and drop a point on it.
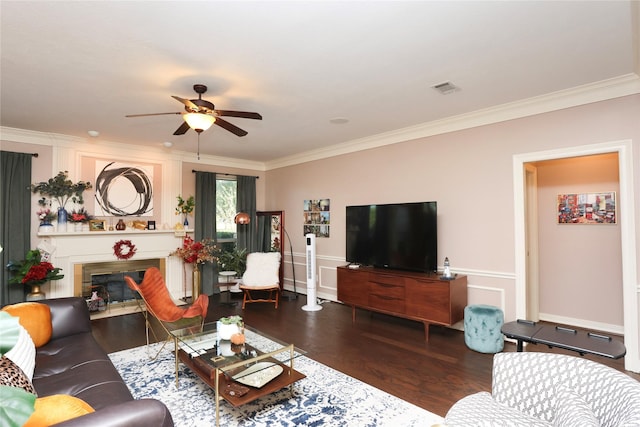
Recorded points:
(626, 215)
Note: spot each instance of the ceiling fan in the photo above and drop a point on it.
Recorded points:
(201, 114)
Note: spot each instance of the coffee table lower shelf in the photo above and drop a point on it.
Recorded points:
(207, 374)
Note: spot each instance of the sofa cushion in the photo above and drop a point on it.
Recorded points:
(55, 409)
(481, 410)
(572, 410)
(16, 405)
(23, 352)
(11, 375)
(36, 319)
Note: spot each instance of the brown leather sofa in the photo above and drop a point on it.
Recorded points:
(73, 363)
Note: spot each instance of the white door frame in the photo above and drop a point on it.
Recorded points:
(532, 244)
(626, 217)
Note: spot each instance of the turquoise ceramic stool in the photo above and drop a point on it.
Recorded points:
(482, 325)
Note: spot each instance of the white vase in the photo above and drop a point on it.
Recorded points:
(46, 227)
(225, 331)
(77, 226)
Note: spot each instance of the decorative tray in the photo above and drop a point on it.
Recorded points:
(259, 374)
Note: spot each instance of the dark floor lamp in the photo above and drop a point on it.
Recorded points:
(293, 269)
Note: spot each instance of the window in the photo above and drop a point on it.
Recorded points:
(226, 193)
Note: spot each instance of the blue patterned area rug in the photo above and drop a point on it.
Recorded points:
(325, 397)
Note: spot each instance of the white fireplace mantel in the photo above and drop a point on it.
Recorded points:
(70, 249)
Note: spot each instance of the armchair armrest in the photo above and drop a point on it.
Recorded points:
(143, 412)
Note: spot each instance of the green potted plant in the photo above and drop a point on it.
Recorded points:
(233, 260)
(33, 272)
(185, 207)
(228, 326)
(61, 189)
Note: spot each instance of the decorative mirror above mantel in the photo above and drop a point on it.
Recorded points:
(271, 236)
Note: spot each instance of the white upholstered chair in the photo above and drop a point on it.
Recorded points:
(261, 276)
(547, 389)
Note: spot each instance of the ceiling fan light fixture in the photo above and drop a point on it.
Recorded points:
(199, 121)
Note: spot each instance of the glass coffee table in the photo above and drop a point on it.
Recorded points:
(241, 373)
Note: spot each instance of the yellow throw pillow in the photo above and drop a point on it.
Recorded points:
(57, 408)
(35, 318)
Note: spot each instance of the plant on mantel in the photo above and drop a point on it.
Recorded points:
(61, 189)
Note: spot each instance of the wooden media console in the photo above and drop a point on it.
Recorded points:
(417, 296)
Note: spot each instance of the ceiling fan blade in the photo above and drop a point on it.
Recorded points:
(186, 102)
(182, 129)
(242, 114)
(152, 114)
(230, 127)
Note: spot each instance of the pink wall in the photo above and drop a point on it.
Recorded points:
(470, 174)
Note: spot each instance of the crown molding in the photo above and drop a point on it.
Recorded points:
(617, 87)
(93, 147)
(38, 138)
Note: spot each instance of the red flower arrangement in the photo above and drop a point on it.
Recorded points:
(80, 216)
(196, 252)
(33, 271)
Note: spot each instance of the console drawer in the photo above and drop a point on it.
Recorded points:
(387, 293)
(386, 302)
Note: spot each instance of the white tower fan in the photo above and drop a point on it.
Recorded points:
(312, 304)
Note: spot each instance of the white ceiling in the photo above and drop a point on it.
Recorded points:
(73, 66)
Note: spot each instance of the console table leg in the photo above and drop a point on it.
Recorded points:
(426, 331)
(519, 346)
(353, 314)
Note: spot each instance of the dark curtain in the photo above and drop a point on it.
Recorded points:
(264, 233)
(205, 222)
(15, 217)
(246, 202)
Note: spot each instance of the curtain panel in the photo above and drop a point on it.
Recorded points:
(205, 224)
(15, 217)
(246, 202)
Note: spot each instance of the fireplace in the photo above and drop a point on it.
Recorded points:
(105, 280)
(74, 251)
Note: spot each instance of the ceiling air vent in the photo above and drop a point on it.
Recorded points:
(446, 88)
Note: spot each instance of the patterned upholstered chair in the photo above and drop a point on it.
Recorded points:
(160, 305)
(544, 389)
(262, 275)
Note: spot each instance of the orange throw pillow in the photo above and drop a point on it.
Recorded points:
(57, 408)
(35, 318)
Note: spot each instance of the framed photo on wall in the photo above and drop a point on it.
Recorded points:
(587, 208)
(317, 217)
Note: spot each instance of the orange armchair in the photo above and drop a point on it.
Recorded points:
(157, 299)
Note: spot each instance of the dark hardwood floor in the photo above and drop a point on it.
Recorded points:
(384, 351)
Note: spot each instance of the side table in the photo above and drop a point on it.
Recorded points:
(567, 338)
(229, 280)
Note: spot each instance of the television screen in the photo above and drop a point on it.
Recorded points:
(400, 236)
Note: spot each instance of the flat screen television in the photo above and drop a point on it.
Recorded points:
(400, 236)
